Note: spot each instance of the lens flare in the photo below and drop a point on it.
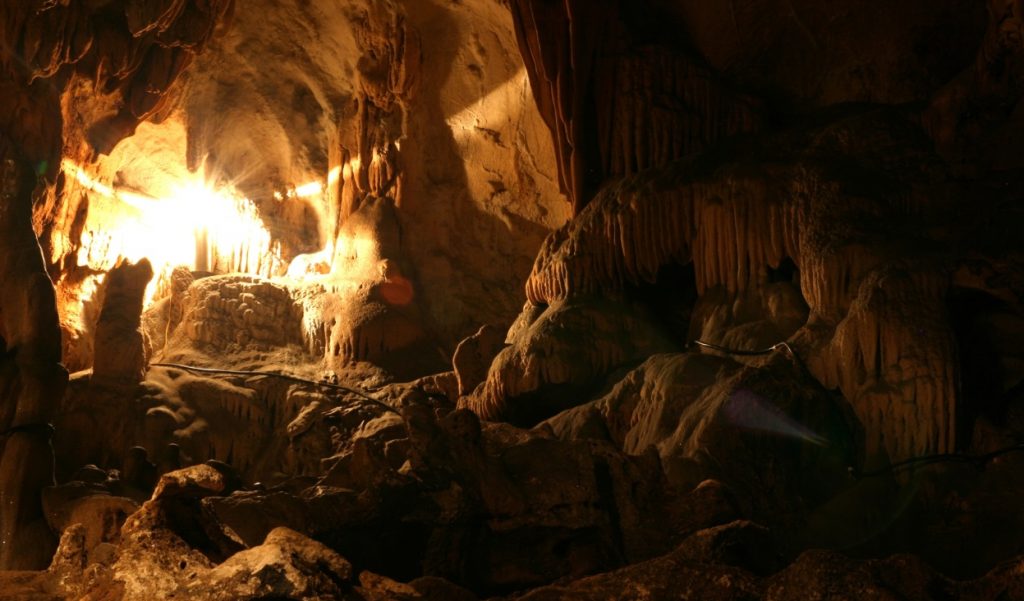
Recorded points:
(197, 225)
(746, 409)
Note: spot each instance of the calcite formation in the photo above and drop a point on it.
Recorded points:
(122, 348)
(520, 299)
(739, 219)
(617, 105)
(245, 311)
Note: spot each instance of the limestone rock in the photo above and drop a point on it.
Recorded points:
(742, 544)
(703, 413)
(248, 517)
(70, 560)
(474, 355)
(667, 577)
(579, 54)
(707, 505)
(121, 349)
(287, 563)
(546, 368)
(445, 384)
(813, 179)
(30, 370)
(155, 555)
(374, 587)
(740, 235)
(99, 516)
(224, 312)
(823, 574)
(842, 54)
(195, 480)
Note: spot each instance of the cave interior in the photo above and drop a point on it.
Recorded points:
(511, 299)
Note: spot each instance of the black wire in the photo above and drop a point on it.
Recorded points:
(273, 374)
(743, 353)
(899, 466)
(976, 460)
(30, 428)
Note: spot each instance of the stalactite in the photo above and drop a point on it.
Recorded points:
(657, 105)
(893, 357)
(729, 227)
(733, 221)
(613, 109)
(365, 153)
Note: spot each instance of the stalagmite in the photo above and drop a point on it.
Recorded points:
(122, 349)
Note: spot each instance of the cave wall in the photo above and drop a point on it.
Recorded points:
(357, 100)
(481, 191)
(789, 175)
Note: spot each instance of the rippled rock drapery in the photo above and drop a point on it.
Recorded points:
(616, 101)
(738, 219)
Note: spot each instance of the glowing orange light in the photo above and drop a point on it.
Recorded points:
(310, 189)
(197, 226)
(334, 175)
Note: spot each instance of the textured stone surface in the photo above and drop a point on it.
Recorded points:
(122, 349)
(739, 222)
(546, 368)
(474, 355)
(760, 430)
(239, 312)
(286, 564)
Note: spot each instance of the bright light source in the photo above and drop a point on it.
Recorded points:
(334, 175)
(310, 189)
(197, 225)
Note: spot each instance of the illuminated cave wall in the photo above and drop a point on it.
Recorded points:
(291, 121)
(426, 103)
(75, 78)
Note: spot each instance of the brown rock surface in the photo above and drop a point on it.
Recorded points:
(759, 430)
(122, 349)
(287, 564)
(544, 369)
(474, 355)
(117, 76)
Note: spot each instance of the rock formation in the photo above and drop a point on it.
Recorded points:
(519, 299)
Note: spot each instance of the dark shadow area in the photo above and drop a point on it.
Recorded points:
(984, 327)
(670, 298)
